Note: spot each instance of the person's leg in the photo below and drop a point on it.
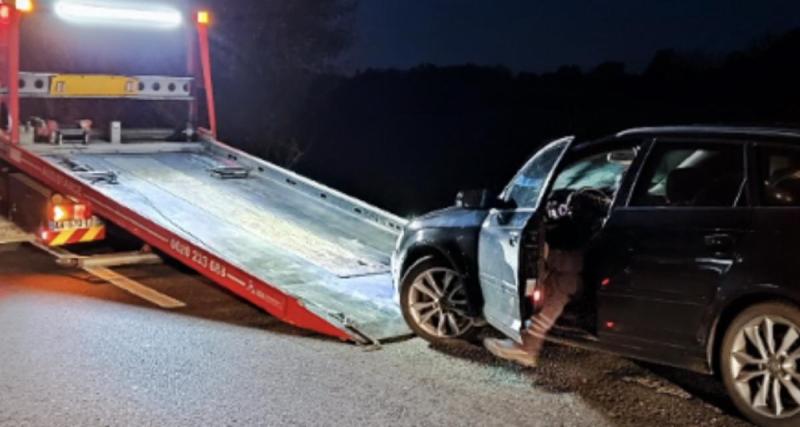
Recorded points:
(541, 323)
(561, 285)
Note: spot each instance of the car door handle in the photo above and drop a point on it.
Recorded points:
(513, 238)
(719, 241)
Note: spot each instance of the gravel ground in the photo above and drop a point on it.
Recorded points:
(78, 352)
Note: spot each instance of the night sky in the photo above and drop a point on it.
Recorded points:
(538, 35)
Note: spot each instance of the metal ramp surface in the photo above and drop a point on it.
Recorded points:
(10, 233)
(292, 246)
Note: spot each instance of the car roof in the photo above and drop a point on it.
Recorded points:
(736, 132)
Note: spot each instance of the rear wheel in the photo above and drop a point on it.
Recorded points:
(433, 299)
(760, 360)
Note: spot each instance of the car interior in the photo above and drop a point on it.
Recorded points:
(693, 178)
(597, 172)
(782, 187)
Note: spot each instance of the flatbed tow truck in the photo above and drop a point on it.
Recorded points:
(305, 253)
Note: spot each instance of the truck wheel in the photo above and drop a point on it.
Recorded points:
(433, 299)
(760, 361)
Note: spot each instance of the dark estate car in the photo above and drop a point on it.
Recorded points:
(696, 264)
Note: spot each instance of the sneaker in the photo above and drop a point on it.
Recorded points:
(511, 351)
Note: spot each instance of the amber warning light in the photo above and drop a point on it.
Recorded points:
(204, 17)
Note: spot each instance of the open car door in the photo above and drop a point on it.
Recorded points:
(499, 253)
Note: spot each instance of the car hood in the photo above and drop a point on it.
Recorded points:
(453, 217)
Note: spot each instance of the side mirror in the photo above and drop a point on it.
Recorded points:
(475, 199)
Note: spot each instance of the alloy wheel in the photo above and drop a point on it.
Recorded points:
(438, 303)
(764, 364)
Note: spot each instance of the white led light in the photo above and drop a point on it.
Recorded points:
(111, 14)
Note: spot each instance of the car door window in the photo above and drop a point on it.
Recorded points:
(691, 175)
(527, 186)
(780, 176)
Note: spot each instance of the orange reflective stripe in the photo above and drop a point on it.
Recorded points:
(62, 238)
(92, 234)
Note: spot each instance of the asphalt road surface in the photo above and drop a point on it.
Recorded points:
(77, 351)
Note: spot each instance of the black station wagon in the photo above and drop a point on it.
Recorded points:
(696, 264)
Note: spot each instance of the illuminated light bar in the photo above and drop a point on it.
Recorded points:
(25, 6)
(118, 14)
(204, 17)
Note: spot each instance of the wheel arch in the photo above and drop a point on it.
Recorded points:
(456, 259)
(728, 314)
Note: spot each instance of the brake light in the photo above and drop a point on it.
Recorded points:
(537, 297)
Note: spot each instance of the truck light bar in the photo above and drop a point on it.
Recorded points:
(90, 12)
(25, 6)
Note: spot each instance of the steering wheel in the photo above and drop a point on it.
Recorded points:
(577, 203)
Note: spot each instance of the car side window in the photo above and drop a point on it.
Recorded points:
(694, 175)
(526, 187)
(780, 176)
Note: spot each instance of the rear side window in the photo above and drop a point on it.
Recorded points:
(691, 175)
(780, 176)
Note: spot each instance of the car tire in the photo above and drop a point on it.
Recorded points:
(760, 364)
(433, 300)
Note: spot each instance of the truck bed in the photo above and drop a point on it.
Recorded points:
(312, 243)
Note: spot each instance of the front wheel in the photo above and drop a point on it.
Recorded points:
(433, 298)
(760, 361)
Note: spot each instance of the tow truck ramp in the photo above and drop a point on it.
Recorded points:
(305, 253)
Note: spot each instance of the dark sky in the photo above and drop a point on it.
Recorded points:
(540, 35)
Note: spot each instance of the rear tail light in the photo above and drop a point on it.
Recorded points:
(81, 211)
(61, 209)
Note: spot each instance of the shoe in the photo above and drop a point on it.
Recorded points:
(511, 351)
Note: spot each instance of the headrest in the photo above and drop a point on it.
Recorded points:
(683, 185)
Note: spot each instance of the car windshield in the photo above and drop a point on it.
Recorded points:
(602, 171)
(526, 187)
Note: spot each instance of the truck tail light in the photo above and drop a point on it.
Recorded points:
(59, 213)
(61, 209)
(81, 211)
